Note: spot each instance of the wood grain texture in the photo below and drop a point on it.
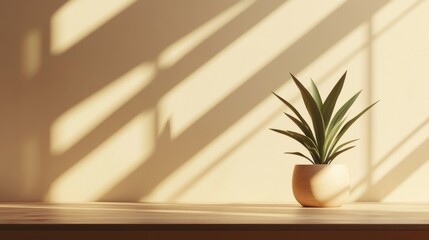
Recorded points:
(213, 221)
(143, 213)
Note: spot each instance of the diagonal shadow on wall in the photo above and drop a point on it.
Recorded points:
(241, 101)
(402, 171)
(375, 192)
(167, 79)
(164, 81)
(411, 163)
(67, 79)
(22, 121)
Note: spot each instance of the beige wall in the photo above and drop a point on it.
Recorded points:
(169, 101)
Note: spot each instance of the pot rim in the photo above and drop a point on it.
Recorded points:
(321, 165)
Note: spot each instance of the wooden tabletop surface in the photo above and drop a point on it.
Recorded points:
(106, 221)
(213, 214)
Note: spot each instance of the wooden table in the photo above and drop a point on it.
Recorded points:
(212, 221)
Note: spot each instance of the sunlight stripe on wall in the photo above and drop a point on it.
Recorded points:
(77, 19)
(78, 121)
(112, 161)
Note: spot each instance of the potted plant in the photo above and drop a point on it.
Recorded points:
(321, 184)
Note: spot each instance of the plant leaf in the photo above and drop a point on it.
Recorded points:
(331, 100)
(349, 123)
(305, 129)
(316, 95)
(301, 155)
(315, 154)
(343, 110)
(333, 151)
(344, 144)
(333, 156)
(307, 140)
(330, 137)
(313, 110)
(304, 140)
(293, 110)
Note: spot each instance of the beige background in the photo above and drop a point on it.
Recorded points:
(169, 101)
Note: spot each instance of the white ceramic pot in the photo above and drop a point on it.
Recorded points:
(321, 185)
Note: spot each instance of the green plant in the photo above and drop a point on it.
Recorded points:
(321, 141)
